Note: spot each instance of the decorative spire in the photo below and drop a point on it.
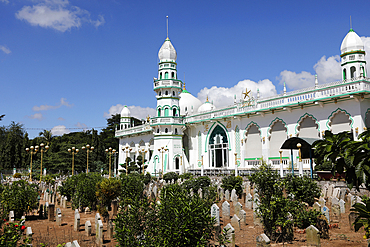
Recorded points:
(316, 81)
(234, 98)
(284, 89)
(167, 26)
(207, 99)
(184, 86)
(258, 93)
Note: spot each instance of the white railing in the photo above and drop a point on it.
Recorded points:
(133, 130)
(167, 120)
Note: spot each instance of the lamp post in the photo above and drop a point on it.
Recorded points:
(30, 150)
(88, 150)
(281, 164)
(162, 150)
(73, 151)
(236, 164)
(202, 168)
(42, 150)
(300, 159)
(110, 151)
(143, 151)
(127, 150)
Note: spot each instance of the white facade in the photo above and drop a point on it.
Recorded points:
(185, 135)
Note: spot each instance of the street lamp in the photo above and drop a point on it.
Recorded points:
(42, 150)
(110, 151)
(143, 157)
(127, 150)
(162, 150)
(32, 152)
(88, 150)
(299, 151)
(73, 151)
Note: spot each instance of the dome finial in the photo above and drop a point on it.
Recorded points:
(207, 99)
(167, 26)
(184, 86)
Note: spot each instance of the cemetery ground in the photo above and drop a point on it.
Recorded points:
(45, 231)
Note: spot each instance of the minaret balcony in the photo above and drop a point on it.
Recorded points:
(167, 83)
(167, 120)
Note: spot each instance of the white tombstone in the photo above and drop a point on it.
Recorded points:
(227, 195)
(215, 212)
(230, 234)
(11, 216)
(88, 228)
(248, 201)
(235, 222)
(325, 211)
(234, 196)
(237, 207)
(226, 209)
(29, 232)
(334, 201)
(77, 222)
(342, 205)
(243, 217)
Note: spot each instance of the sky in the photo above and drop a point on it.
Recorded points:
(69, 65)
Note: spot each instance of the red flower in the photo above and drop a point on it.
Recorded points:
(23, 227)
(4, 219)
(7, 224)
(16, 225)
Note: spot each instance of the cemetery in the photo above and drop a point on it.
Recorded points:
(231, 211)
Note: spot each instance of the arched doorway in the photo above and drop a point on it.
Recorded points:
(218, 148)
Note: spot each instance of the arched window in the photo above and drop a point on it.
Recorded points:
(160, 93)
(166, 93)
(166, 112)
(173, 93)
(344, 74)
(166, 75)
(173, 75)
(174, 112)
(177, 163)
(160, 76)
(158, 130)
(219, 148)
(159, 112)
(175, 131)
(353, 71)
(165, 130)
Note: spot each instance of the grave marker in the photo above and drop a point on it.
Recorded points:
(325, 211)
(248, 201)
(243, 217)
(88, 228)
(263, 240)
(235, 222)
(77, 222)
(342, 205)
(313, 236)
(230, 234)
(51, 212)
(215, 212)
(238, 206)
(226, 209)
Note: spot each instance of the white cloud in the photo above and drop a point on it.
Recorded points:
(61, 119)
(5, 49)
(56, 14)
(59, 130)
(36, 116)
(296, 81)
(4, 1)
(136, 111)
(63, 102)
(222, 96)
(366, 41)
(328, 70)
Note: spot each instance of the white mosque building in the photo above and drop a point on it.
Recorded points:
(188, 135)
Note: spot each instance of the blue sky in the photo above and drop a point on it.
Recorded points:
(73, 63)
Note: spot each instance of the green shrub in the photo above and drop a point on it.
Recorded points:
(147, 178)
(186, 175)
(304, 218)
(303, 188)
(231, 182)
(17, 175)
(170, 175)
(325, 166)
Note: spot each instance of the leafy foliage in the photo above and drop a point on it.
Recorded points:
(231, 182)
(170, 175)
(106, 191)
(363, 218)
(20, 197)
(304, 218)
(303, 188)
(186, 175)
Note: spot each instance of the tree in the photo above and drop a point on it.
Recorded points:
(47, 136)
(1, 117)
(231, 182)
(106, 191)
(141, 164)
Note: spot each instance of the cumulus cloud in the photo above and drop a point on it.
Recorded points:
(265, 87)
(36, 116)
(136, 111)
(4, 1)
(366, 41)
(59, 130)
(328, 70)
(56, 14)
(5, 49)
(296, 81)
(63, 102)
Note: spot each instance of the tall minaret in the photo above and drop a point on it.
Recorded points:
(352, 56)
(167, 124)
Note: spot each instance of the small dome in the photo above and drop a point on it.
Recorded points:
(167, 51)
(125, 112)
(207, 106)
(188, 102)
(352, 42)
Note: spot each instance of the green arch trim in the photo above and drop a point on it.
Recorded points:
(332, 115)
(303, 117)
(210, 131)
(250, 125)
(273, 122)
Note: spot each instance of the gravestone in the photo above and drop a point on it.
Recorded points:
(243, 217)
(348, 197)
(61, 201)
(11, 216)
(325, 211)
(336, 193)
(256, 203)
(155, 190)
(248, 188)
(110, 230)
(221, 194)
(330, 190)
(342, 205)
(256, 219)
(248, 201)
(230, 235)
(29, 233)
(335, 210)
(351, 218)
(243, 197)
(215, 212)
(334, 201)
(235, 222)
(262, 240)
(77, 223)
(322, 202)
(313, 236)
(238, 206)
(88, 228)
(59, 217)
(343, 193)
(46, 209)
(324, 192)
(200, 192)
(114, 207)
(87, 210)
(75, 243)
(41, 211)
(65, 202)
(316, 206)
(100, 237)
(226, 209)
(227, 195)
(97, 218)
(234, 196)
(51, 212)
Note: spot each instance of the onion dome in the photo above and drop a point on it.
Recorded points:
(207, 106)
(125, 112)
(187, 102)
(352, 42)
(167, 51)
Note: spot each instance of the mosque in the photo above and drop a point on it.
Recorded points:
(187, 135)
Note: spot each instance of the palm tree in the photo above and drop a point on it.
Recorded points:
(47, 136)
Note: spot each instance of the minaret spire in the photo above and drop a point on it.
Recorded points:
(284, 89)
(167, 25)
(350, 22)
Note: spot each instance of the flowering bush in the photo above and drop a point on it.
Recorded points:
(11, 233)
